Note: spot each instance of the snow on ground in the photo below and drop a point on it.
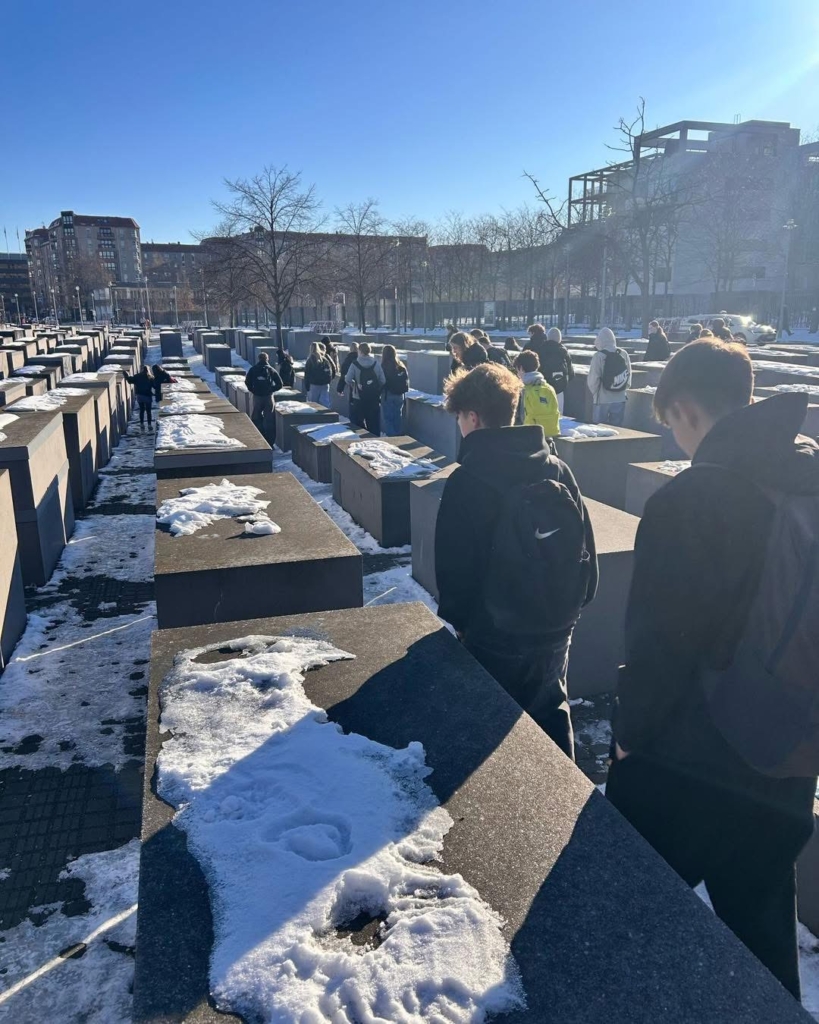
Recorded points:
(198, 507)
(120, 547)
(122, 488)
(386, 460)
(300, 829)
(396, 586)
(194, 431)
(94, 988)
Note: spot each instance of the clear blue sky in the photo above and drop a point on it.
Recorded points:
(142, 109)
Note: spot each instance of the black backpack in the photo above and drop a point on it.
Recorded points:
(369, 387)
(616, 376)
(766, 701)
(323, 373)
(262, 381)
(398, 381)
(539, 567)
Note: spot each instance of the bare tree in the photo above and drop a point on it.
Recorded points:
(225, 271)
(363, 253)
(277, 218)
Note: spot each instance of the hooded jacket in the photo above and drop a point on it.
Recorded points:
(143, 384)
(346, 363)
(538, 404)
(262, 380)
(316, 369)
(353, 377)
(658, 347)
(492, 461)
(555, 361)
(698, 558)
(605, 342)
(474, 355)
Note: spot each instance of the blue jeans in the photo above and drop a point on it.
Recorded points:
(320, 394)
(611, 413)
(535, 678)
(392, 410)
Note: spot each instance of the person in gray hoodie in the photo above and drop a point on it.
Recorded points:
(366, 379)
(609, 379)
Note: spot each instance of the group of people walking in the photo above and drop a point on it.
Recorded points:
(715, 749)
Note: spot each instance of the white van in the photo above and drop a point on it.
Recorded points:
(743, 328)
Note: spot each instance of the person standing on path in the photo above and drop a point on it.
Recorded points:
(160, 377)
(395, 387)
(609, 379)
(716, 744)
(466, 352)
(143, 384)
(495, 355)
(554, 360)
(515, 556)
(366, 380)
(319, 372)
(263, 382)
(658, 348)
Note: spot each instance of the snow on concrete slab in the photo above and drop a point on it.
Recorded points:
(54, 399)
(198, 507)
(388, 461)
(425, 396)
(180, 384)
(672, 467)
(324, 433)
(32, 370)
(574, 429)
(183, 404)
(192, 431)
(94, 988)
(803, 389)
(300, 829)
(6, 418)
(293, 407)
(797, 371)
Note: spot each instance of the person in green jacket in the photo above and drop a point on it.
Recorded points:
(538, 400)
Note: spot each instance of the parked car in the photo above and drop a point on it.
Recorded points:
(744, 328)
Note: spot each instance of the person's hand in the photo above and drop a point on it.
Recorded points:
(621, 754)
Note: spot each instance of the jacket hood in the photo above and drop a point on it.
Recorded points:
(762, 442)
(506, 456)
(365, 361)
(534, 377)
(605, 341)
(553, 334)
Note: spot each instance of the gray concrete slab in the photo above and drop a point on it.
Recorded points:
(309, 566)
(217, 354)
(33, 451)
(170, 343)
(32, 372)
(104, 386)
(12, 596)
(810, 426)
(311, 447)
(380, 504)
(12, 357)
(428, 370)
(81, 443)
(238, 395)
(255, 455)
(643, 480)
(11, 390)
(586, 903)
(600, 464)
(430, 423)
(287, 420)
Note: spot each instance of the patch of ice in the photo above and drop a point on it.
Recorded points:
(188, 431)
(575, 430)
(94, 988)
(183, 405)
(32, 370)
(386, 460)
(300, 829)
(673, 467)
(198, 507)
(292, 407)
(50, 400)
(804, 389)
(324, 433)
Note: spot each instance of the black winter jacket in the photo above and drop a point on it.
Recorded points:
(313, 370)
(261, 380)
(497, 355)
(698, 558)
(143, 384)
(555, 361)
(397, 380)
(349, 359)
(492, 460)
(160, 377)
(287, 373)
(658, 348)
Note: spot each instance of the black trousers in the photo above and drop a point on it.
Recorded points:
(366, 414)
(144, 403)
(744, 849)
(536, 679)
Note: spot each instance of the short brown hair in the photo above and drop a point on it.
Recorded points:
(364, 348)
(718, 376)
(490, 391)
(536, 329)
(527, 361)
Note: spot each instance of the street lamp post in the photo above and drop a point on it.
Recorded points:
(147, 298)
(54, 303)
(79, 305)
(19, 318)
(34, 296)
(789, 226)
(113, 299)
(175, 307)
(424, 266)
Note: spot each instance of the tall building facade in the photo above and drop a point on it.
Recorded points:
(16, 299)
(79, 257)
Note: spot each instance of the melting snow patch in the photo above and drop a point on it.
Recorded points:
(673, 468)
(576, 430)
(33, 370)
(388, 461)
(194, 432)
(324, 433)
(181, 384)
(93, 987)
(50, 400)
(291, 407)
(198, 507)
(302, 831)
(797, 371)
(805, 389)
(423, 396)
(119, 547)
(183, 404)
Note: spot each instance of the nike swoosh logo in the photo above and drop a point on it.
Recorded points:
(543, 536)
